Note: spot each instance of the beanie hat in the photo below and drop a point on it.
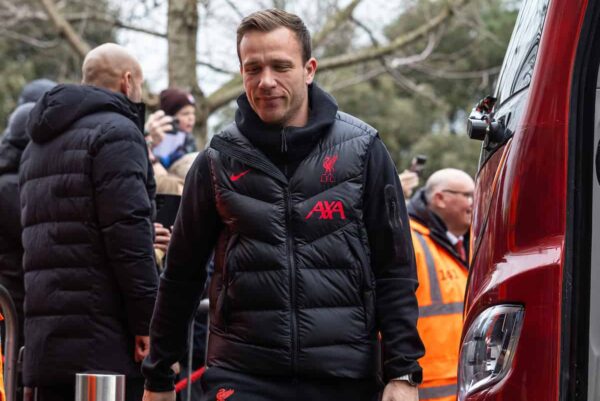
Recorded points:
(172, 100)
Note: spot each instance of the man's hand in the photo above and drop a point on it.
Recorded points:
(162, 237)
(162, 396)
(400, 390)
(142, 348)
(409, 181)
(157, 126)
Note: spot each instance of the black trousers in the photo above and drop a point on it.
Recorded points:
(134, 390)
(225, 385)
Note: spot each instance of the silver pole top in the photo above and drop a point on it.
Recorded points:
(99, 387)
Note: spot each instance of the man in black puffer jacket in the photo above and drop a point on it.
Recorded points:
(13, 143)
(87, 194)
(303, 207)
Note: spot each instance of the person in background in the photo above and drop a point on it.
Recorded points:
(169, 130)
(12, 145)
(409, 181)
(87, 194)
(440, 217)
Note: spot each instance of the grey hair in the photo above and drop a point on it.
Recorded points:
(439, 179)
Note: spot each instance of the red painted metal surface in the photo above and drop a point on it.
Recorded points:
(520, 217)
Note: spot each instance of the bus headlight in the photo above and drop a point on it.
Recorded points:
(488, 348)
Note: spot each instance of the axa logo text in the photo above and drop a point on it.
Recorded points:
(327, 210)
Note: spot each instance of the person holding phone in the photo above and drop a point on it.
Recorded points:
(409, 179)
(169, 130)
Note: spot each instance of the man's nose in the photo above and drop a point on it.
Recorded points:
(267, 80)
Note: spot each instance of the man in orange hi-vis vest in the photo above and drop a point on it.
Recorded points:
(440, 216)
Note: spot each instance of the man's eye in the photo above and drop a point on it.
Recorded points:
(282, 67)
(252, 70)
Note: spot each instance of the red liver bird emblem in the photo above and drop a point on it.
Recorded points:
(328, 165)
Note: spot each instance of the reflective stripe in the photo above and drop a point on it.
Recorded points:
(434, 285)
(441, 309)
(437, 392)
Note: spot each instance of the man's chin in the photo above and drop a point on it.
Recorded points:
(270, 119)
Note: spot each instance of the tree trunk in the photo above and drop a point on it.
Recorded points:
(182, 31)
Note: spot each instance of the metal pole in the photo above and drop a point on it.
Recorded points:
(99, 387)
(11, 344)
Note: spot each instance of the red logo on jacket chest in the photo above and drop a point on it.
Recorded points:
(328, 166)
(327, 209)
(224, 394)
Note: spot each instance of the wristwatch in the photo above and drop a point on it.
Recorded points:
(411, 378)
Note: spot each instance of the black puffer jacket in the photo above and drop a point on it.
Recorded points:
(11, 250)
(86, 203)
(312, 253)
(13, 143)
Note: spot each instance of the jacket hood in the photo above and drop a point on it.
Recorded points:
(419, 211)
(34, 90)
(292, 143)
(15, 139)
(59, 108)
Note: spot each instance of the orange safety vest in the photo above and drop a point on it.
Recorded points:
(442, 283)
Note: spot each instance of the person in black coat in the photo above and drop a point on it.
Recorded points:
(87, 193)
(12, 145)
(303, 208)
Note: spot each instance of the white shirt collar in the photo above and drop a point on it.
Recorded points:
(453, 238)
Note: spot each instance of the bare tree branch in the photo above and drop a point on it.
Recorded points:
(215, 68)
(112, 21)
(373, 53)
(394, 63)
(417, 58)
(43, 44)
(367, 30)
(405, 83)
(334, 22)
(358, 79)
(439, 73)
(232, 5)
(225, 94)
(65, 29)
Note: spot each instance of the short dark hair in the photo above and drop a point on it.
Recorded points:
(271, 19)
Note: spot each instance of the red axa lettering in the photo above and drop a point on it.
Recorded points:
(327, 209)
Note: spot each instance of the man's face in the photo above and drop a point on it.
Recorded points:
(455, 204)
(275, 78)
(136, 79)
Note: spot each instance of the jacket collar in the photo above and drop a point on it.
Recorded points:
(288, 144)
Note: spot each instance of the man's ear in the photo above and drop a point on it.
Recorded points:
(438, 200)
(310, 68)
(126, 83)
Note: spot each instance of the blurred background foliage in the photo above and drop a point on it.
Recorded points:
(418, 99)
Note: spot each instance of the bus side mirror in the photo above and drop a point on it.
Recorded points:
(481, 123)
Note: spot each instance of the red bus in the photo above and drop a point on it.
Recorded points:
(532, 306)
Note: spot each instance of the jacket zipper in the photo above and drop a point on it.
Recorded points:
(292, 268)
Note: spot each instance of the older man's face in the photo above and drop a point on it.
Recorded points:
(457, 199)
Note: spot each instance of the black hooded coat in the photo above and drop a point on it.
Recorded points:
(13, 143)
(87, 194)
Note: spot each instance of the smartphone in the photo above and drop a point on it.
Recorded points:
(418, 164)
(175, 124)
(166, 209)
